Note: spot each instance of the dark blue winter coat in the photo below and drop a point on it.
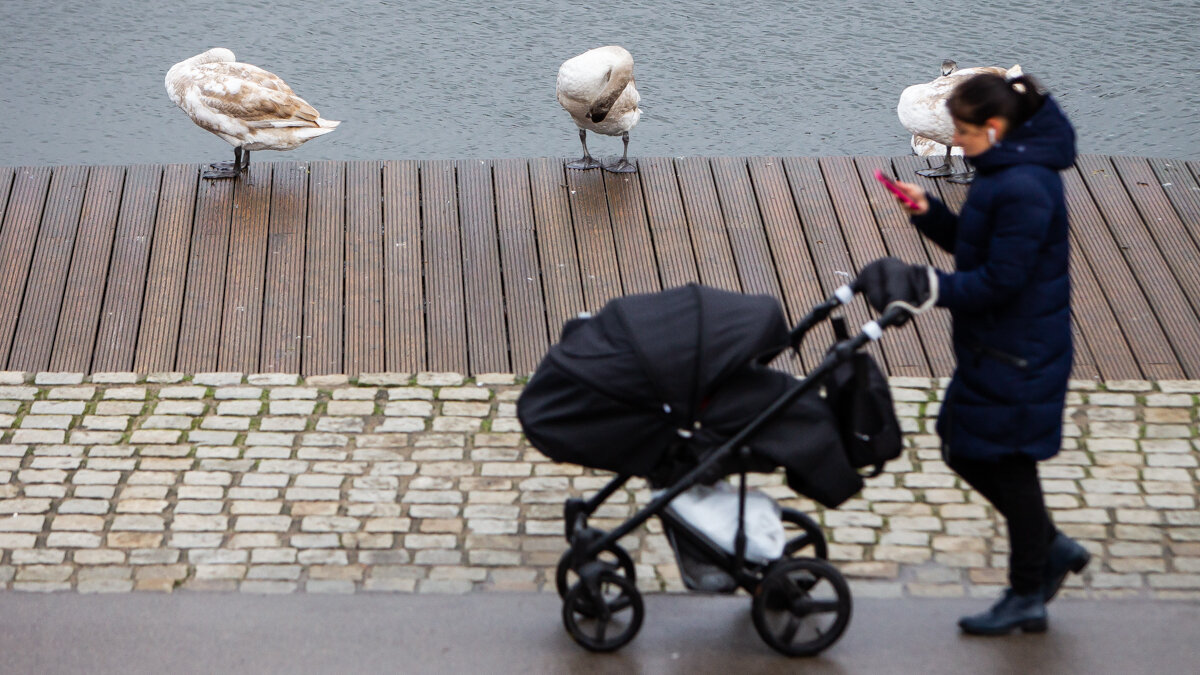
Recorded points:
(1009, 297)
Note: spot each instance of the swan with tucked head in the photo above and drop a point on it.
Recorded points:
(597, 88)
(923, 112)
(248, 107)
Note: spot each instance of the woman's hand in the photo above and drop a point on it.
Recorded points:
(917, 194)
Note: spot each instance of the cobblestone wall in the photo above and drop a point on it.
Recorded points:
(423, 483)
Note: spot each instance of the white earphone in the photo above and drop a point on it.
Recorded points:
(991, 134)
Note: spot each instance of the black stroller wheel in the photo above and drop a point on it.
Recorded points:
(619, 617)
(614, 555)
(802, 606)
(810, 535)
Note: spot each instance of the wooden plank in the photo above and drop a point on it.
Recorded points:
(526, 307)
(668, 222)
(1183, 190)
(710, 241)
(364, 268)
(752, 254)
(241, 316)
(1143, 258)
(283, 286)
(631, 233)
(208, 255)
(1141, 332)
(798, 280)
(75, 338)
(556, 243)
(903, 241)
(43, 297)
(934, 325)
(743, 224)
(324, 281)
(487, 337)
(445, 310)
(121, 312)
(6, 183)
(905, 169)
(404, 300)
(1167, 229)
(1093, 320)
(599, 276)
(825, 243)
(902, 347)
(166, 279)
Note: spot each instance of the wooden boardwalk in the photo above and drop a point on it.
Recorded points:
(472, 266)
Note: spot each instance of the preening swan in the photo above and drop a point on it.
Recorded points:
(922, 111)
(597, 88)
(247, 106)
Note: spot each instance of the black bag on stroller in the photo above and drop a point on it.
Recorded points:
(652, 382)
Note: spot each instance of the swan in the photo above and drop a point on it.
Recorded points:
(250, 108)
(597, 88)
(922, 111)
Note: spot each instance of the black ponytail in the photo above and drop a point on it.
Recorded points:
(987, 95)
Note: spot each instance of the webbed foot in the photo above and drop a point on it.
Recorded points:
(585, 162)
(621, 166)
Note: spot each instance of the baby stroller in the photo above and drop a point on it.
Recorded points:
(674, 387)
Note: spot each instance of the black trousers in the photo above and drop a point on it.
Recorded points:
(1011, 484)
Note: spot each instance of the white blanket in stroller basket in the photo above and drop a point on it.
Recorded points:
(713, 511)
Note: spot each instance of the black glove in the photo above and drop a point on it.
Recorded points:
(889, 280)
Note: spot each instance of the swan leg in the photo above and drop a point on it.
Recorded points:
(227, 169)
(622, 165)
(587, 161)
(946, 169)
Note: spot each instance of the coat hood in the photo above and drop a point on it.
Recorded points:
(1047, 139)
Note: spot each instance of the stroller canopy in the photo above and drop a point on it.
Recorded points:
(654, 382)
(669, 351)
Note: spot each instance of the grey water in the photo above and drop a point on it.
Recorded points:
(81, 82)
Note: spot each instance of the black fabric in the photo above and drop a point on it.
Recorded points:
(803, 438)
(652, 383)
(569, 421)
(862, 404)
(671, 348)
(1011, 484)
(886, 280)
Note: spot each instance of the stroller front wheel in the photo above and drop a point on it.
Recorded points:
(802, 606)
(606, 617)
(615, 556)
(810, 535)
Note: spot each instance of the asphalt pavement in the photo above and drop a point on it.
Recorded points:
(523, 633)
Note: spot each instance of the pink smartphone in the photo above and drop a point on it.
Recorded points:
(891, 185)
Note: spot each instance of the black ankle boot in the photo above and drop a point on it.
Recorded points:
(1027, 612)
(1064, 555)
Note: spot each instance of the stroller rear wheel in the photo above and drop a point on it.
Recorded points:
(615, 556)
(606, 617)
(810, 535)
(802, 606)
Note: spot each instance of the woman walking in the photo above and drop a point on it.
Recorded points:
(1009, 299)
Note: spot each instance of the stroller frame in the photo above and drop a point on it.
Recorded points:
(588, 598)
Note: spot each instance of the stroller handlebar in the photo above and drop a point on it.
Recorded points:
(844, 295)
